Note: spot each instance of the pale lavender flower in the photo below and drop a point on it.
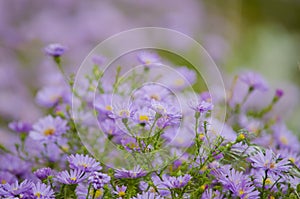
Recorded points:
(14, 165)
(43, 173)
(83, 163)
(202, 107)
(40, 190)
(98, 180)
(98, 60)
(148, 58)
(120, 191)
(210, 194)
(55, 49)
(20, 127)
(270, 162)
(51, 96)
(49, 128)
(147, 195)
(16, 190)
(181, 79)
(254, 81)
(70, 177)
(7, 177)
(176, 182)
(137, 172)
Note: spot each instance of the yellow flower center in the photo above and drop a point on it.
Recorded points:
(144, 118)
(272, 165)
(38, 194)
(268, 181)
(98, 193)
(3, 181)
(283, 140)
(292, 160)
(121, 193)
(202, 187)
(147, 61)
(108, 108)
(84, 165)
(201, 136)
(49, 132)
(272, 197)
(124, 113)
(155, 97)
(73, 179)
(241, 192)
(179, 82)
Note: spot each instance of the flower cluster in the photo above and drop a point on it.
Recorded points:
(171, 144)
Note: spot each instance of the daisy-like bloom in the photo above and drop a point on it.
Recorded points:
(16, 190)
(40, 190)
(14, 165)
(202, 107)
(82, 192)
(83, 163)
(144, 116)
(48, 128)
(43, 173)
(123, 111)
(235, 181)
(181, 79)
(55, 49)
(270, 162)
(254, 80)
(137, 172)
(103, 104)
(292, 156)
(70, 177)
(120, 191)
(148, 58)
(176, 182)
(20, 127)
(7, 177)
(51, 96)
(259, 177)
(285, 138)
(98, 180)
(210, 194)
(147, 195)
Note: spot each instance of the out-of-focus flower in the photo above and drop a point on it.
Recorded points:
(51, 96)
(55, 49)
(148, 58)
(202, 107)
(269, 161)
(137, 172)
(48, 128)
(98, 180)
(98, 60)
(71, 177)
(16, 190)
(82, 192)
(254, 81)
(210, 194)
(7, 177)
(20, 127)
(43, 173)
(181, 79)
(279, 93)
(40, 190)
(83, 163)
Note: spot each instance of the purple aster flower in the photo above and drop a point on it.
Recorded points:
(43, 173)
(181, 79)
(48, 128)
(83, 162)
(130, 144)
(259, 177)
(148, 58)
(123, 111)
(82, 192)
(98, 180)
(270, 162)
(14, 165)
(148, 195)
(7, 177)
(137, 172)
(110, 128)
(120, 191)
(103, 104)
(210, 194)
(205, 96)
(20, 127)
(292, 156)
(16, 190)
(176, 182)
(51, 96)
(40, 190)
(55, 49)
(144, 116)
(202, 107)
(71, 177)
(254, 81)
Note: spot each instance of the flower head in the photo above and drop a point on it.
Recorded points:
(43, 173)
(84, 163)
(254, 81)
(70, 177)
(20, 127)
(55, 49)
(16, 190)
(137, 172)
(48, 128)
(148, 58)
(120, 191)
(40, 190)
(176, 182)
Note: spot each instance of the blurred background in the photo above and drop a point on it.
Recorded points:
(263, 36)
